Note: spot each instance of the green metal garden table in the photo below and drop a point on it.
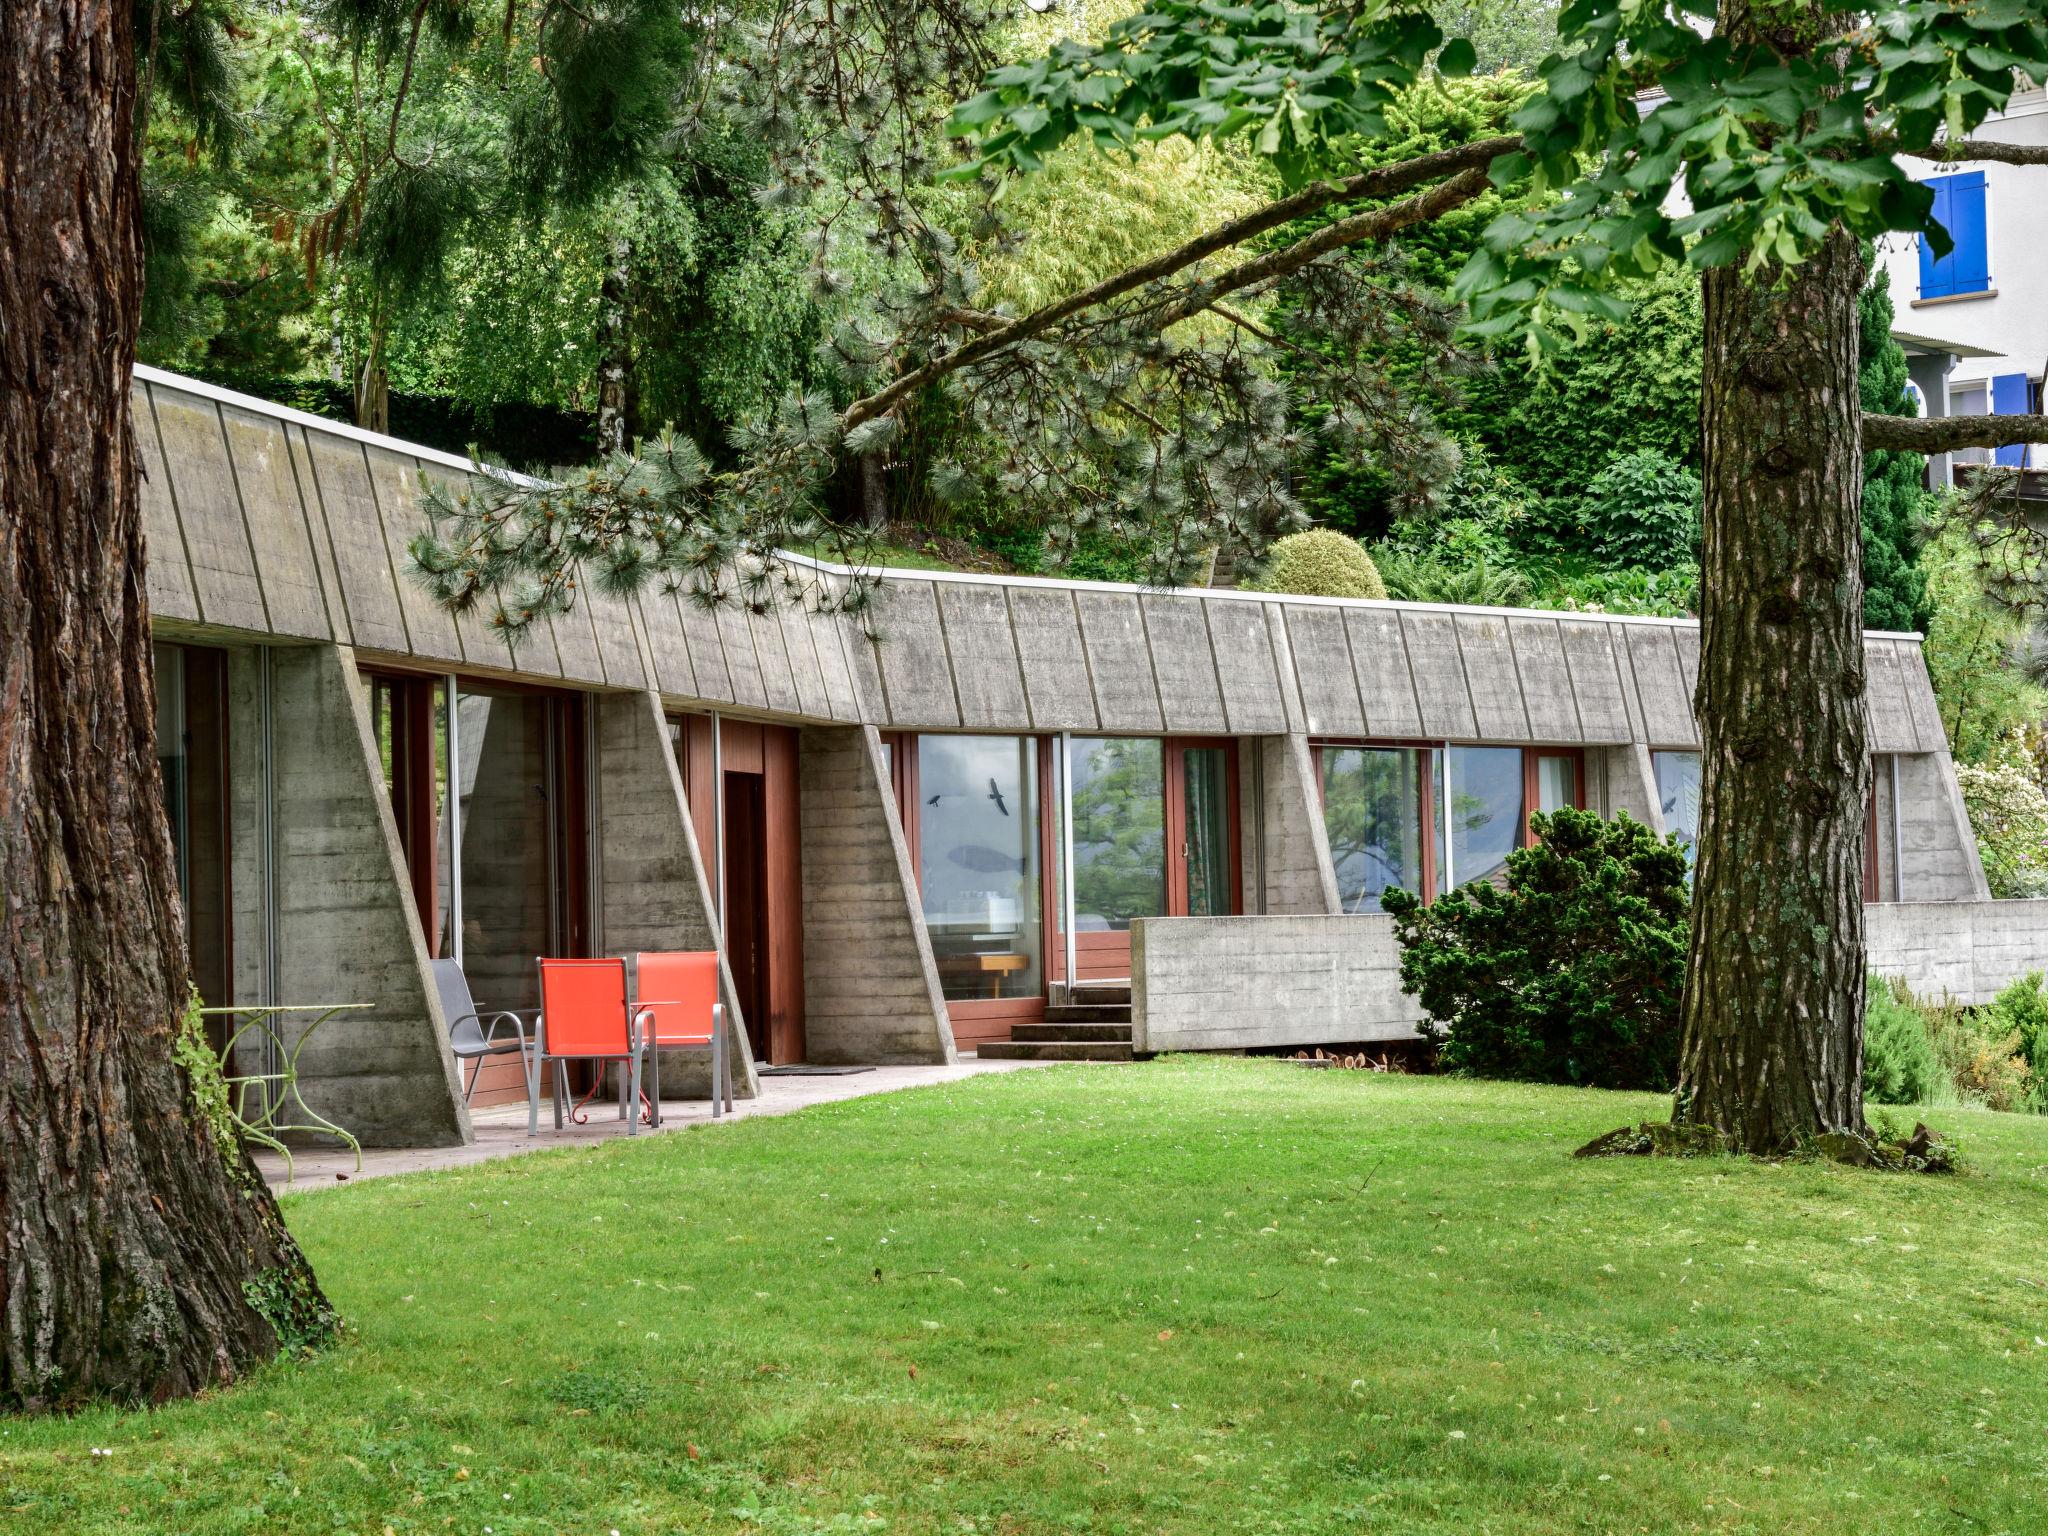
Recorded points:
(279, 1082)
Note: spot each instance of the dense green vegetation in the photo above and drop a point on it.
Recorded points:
(1938, 1053)
(1566, 971)
(1194, 1296)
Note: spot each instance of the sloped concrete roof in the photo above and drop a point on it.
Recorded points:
(265, 521)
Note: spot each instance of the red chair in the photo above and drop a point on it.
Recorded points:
(584, 1016)
(677, 992)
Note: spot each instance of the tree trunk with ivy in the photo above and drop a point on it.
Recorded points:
(1773, 1014)
(141, 1258)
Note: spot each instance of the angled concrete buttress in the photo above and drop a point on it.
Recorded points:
(871, 992)
(1289, 868)
(345, 928)
(653, 894)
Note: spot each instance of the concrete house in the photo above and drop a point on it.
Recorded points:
(905, 847)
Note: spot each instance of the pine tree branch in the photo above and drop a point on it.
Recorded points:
(1945, 434)
(1950, 151)
(1468, 159)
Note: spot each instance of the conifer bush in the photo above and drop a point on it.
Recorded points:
(1568, 971)
(1321, 562)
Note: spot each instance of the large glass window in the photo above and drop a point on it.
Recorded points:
(978, 863)
(1678, 795)
(1557, 783)
(1485, 810)
(1374, 809)
(1208, 846)
(1119, 810)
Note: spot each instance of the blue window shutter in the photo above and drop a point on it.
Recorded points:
(2010, 396)
(1959, 207)
(1972, 255)
(1933, 273)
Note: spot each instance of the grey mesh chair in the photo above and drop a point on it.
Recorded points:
(475, 1040)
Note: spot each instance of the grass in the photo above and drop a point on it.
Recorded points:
(1194, 1296)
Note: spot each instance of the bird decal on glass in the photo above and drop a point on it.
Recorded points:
(996, 795)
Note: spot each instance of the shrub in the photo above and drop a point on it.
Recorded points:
(1899, 1061)
(1321, 562)
(1570, 971)
(1643, 510)
(1982, 1056)
(2021, 1011)
(2009, 814)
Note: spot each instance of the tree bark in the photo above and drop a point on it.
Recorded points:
(1772, 1046)
(614, 350)
(138, 1255)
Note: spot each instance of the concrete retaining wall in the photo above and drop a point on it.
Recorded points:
(1966, 950)
(1230, 983)
(1237, 983)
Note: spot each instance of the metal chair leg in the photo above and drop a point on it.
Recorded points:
(633, 1120)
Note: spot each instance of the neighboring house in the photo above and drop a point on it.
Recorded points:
(1975, 322)
(906, 845)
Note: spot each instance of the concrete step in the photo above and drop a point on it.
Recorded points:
(1055, 1050)
(1088, 1013)
(1094, 993)
(1052, 1031)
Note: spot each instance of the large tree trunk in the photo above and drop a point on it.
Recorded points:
(615, 351)
(131, 1241)
(1773, 1013)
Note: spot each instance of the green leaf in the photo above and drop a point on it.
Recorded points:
(1458, 59)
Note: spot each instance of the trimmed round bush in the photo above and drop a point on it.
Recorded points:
(1321, 562)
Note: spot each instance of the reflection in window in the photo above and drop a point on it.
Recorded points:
(1678, 796)
(978, 863)
(1373, 810)
(509, 888)
(1119, 813)
(1485, 810)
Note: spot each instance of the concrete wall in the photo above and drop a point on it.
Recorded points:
(1286, 850)
(652, 891)
(1966, 950)
(871, 992)
(345, 926)
(1938, 857)
(1624, 779)
(1230, 983)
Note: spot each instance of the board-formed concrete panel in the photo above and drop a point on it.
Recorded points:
(737, 641)
(1048, 635)
(986, 674)
(1920, 697)
(916, 674)
(1322, 667)
(1119, 662)
(224, 573)
(1183, 664)
(1386, 686)
(1596, 681)
(268, 491)
(1439, 673)
(1490, 674)
(1546, 680)
(355, 540)
(794, 620)
(778, 679)
(707, 650)
(666, 645)
(169, 576)
(1246, 668)
(1891, 715)
(835, 635)
(395, 490)
(1660, 686)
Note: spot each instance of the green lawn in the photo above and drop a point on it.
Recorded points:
(1193, 1296)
